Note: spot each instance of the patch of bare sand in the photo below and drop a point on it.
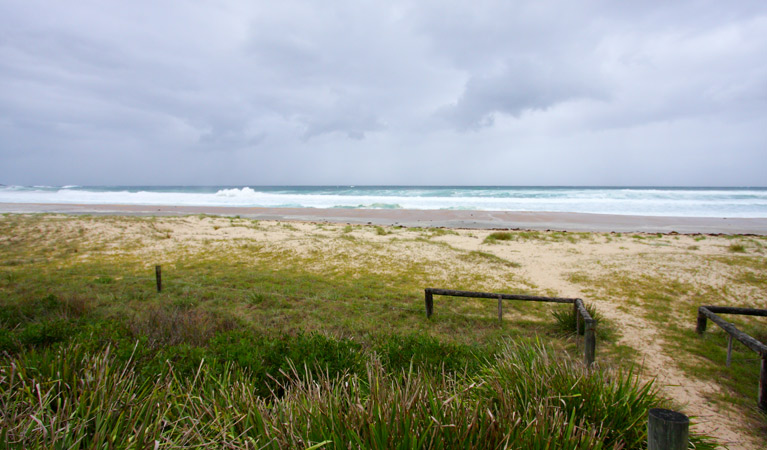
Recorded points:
(549, 266)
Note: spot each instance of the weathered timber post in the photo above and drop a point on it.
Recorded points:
(500, 308)
(578, 324)
(702, 319)
(590, 343)
(429, 302)
(729, 349)
(763, 384)
(667, 430)
(158, 275)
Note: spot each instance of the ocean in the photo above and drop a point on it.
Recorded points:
(646, 201)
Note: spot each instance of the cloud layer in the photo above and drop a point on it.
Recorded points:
(362, 92)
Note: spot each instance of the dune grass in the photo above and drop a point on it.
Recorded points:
(250, 346)
(527, 397)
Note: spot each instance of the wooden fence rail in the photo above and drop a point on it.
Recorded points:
(710, 312)
(581, 314)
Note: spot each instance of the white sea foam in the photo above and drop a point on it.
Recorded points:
(648, 201)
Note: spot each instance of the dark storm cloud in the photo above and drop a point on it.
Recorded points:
(296, 92)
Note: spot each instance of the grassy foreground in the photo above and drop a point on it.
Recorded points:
(287, 343)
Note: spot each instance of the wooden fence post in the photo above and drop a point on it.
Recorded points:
(667, 430)
(578, 323)
(763, 385)
(429, 302)
(589, 344)
(701, 328)
(729, 349)
(158, 275)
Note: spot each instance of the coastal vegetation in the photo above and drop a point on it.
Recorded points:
(274, 335)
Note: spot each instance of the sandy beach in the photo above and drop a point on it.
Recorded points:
(638, 282)
(559, 221)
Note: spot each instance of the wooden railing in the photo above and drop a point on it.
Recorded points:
(581, 314)
(711, 312)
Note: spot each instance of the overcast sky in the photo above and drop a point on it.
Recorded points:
(383, 92)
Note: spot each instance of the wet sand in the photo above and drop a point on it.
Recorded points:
(429, 218)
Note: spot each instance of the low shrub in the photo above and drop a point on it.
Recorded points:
(495, 236)
(398, 352)
(45, 333)
(737, 248)
(269, 358)
(566, 318)
(8, 341)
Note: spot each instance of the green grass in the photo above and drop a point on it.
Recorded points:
(251, 345)
(528, 396)
(737, 248)
(664, 301)
(566, 318)
(496, 236)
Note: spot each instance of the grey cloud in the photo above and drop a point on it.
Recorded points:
(300, 92)
(524, 84)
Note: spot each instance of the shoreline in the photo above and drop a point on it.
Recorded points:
(460, 219)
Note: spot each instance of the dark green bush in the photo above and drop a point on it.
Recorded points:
(425, 352)
(271, 358)
(39, 307)
(45, 333)
(8, 341)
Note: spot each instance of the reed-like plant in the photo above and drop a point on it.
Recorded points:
(528, 398)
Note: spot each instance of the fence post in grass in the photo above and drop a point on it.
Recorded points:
(577, 313)
(500, 308)
(763, 385)
(667, 430)
(701, 328)
(729, 349)
(589, 343)
(429, 302)
(158, 276)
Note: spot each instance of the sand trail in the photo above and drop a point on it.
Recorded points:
(644, 337)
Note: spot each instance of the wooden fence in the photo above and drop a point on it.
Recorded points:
(711, 312)
(581, 314)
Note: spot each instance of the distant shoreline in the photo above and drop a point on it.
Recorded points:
(560, 221)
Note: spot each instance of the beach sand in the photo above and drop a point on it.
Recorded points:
(545, 263)
(429, 218)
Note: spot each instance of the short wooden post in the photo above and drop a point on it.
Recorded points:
(589, 343)
(667, 430)
(729, 350)
(500, 308)
(702, 319)
(578, 324)
(763, 385)
(429, 302)
(158, 275)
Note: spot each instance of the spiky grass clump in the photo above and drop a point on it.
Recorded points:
(530, 397)
(567, 320)
(736, 248)
(496, 236)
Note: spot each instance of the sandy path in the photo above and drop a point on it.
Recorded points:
(644, 337)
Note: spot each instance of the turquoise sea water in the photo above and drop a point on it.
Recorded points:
(648, 201)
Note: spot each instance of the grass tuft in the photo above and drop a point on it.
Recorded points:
(567, 320)
(736, 248)
(496, 236)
